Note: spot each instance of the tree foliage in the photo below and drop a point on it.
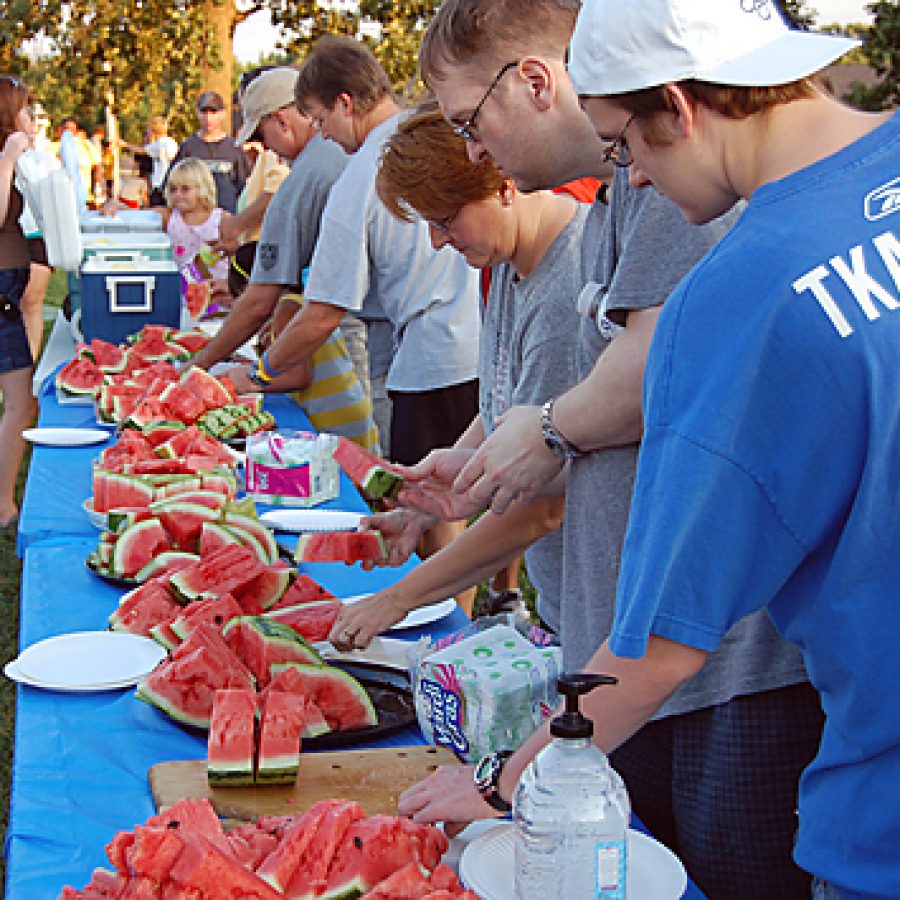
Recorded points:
(881, 50)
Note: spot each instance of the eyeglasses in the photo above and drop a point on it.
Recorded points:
(617, 151)
(465, 130)
(444, 223)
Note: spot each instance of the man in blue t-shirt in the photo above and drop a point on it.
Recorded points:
(769, 473)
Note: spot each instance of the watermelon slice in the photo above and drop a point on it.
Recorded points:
(308, 846)
(221, 572)
(259, 643)
(184, 685)
(182, 404)
(251, 843)
(231, 743)
(303, 589)
(341, 546)
(206, 388)
(137, 546)
(196, 297)
(166, 563)
(193, 341)
(214, 536)
(159, 432)
(312, 621)
(142, 608)
(115, 491)
(107, 357)
(280, 729)
(261, 592)
(375, 477)
(80, 377)
(256, 529)
(215, 611)
(343, 700)
(183, 521)
(370, 850)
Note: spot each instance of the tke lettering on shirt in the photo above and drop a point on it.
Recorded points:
(867, 292)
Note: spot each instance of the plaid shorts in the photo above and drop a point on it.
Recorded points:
(719, 787)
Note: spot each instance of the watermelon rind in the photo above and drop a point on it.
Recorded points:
(380, 483)
(264, 537)
(311, 546)
(233, 711)
(266, 638)
(163, 561)
(249, 540)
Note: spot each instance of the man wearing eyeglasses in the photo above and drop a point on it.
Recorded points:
(694, 773)
(226, 161)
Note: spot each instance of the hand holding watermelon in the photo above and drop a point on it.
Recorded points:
(401, 529)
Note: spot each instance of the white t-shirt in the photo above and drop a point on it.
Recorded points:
(162, 151)
(369, 262)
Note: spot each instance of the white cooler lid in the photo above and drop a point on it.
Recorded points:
(98, 266)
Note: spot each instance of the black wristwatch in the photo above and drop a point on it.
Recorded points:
(553, 438)
(487, 775)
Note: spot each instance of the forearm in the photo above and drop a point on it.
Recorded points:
(7, 168)
(481, 550)
(604, 410)
(248, 314)
(305, 333)
(249, 218)
(473, 437)
(618, 711)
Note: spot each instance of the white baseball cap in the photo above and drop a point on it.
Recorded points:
(619, 47)
(268, 92)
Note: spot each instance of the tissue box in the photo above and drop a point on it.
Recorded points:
(488, 692)
(292, 468)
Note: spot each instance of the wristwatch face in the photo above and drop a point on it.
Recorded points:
(253, 376)
(487, 771)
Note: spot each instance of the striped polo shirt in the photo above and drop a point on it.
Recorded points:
(335, 401)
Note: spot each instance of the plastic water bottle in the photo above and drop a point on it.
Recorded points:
(571, 811)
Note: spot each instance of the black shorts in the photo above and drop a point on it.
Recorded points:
(14, 350)
(422, 421)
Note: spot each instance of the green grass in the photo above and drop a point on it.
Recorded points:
(10, 574)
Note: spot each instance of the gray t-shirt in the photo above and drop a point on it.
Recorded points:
(290, 228)
(529, 343)
(369, 262)
(633, 260)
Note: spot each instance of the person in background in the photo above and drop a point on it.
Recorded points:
(529, 332)
(162, 149)
(368, 262)
(191, 217)
(326, 384)
(227, 162)
(16, 360)
(76, 160)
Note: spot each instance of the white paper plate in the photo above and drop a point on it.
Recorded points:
(390, 652)
(654, 873)
(65, 437)
(98, 520)
(299, 520)
(425, 615)
(86, 661)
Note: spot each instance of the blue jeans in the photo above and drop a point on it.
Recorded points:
(821, 890)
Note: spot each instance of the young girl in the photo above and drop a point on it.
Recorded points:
(191, 217)
(16, 362)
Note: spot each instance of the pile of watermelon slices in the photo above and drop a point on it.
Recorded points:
(96, 364)
(252, 653)
(333, 850)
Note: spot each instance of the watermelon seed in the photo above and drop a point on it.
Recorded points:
(174, 824)
(357, 841)
(218, 619)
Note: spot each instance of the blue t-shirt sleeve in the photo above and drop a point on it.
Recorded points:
(703, 549)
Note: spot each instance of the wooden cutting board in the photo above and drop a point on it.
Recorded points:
(374, 778)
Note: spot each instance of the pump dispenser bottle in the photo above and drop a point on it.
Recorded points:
(571, 811)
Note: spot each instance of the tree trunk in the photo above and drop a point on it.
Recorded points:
(220, 16)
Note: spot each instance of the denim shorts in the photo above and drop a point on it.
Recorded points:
(14, 350)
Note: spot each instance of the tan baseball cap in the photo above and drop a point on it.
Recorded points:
(267, 93)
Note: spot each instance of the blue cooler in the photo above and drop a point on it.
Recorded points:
(120, 296)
